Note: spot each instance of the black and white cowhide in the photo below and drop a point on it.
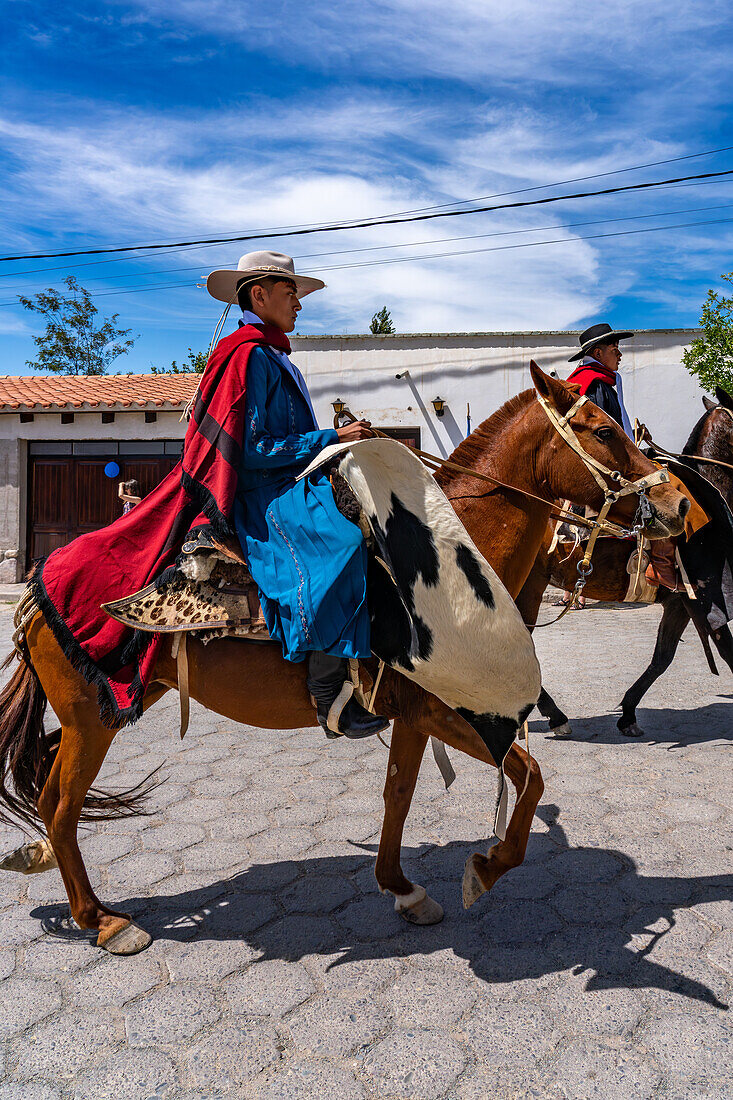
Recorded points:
(440, 614)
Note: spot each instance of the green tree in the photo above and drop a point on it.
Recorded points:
(75, 342)
(382, 323)
(194, 363)
(710, 357)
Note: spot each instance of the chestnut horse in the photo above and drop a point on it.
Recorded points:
(711, 438)
(252, 684)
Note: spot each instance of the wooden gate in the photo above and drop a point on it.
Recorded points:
(69, 495)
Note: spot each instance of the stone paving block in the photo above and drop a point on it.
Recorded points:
(50, 957)
(522, 922)
(140, 869)
(229, 1056)
(132, 1074)
(114, 981)
(263, 876)
(61, 1047)
(306, 812)
(342, 972)
(296, 935)
(414, 1062)
(587, 866)
(33, 1091)
(241, 826)
(514, 1032)
(268, 988)
(7, 962)
(720, 951)
(354, 827)
(689, 1044)
(369, 916)
(236, 915)
(306, 1080)
(25, 1002)
(171, 838)
(693, 810)
(19, 927)
(601, 905)
(592, 1012)
(595, 1072)
(97, 848)
(216, 855)
(210, 960)
(334, 1025)
(317, 790)
(170, 1015)
(281, 843)
(199, 810)
(316, 893)
(429, 998)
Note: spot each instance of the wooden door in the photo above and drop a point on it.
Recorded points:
(52, 512)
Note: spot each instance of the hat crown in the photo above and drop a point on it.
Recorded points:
(595, 332)
(266, 261)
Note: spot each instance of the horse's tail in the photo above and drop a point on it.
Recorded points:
(27, 753)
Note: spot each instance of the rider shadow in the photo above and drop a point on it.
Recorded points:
(676, 728)
(296, 908)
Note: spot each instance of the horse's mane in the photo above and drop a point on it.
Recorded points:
(473, 446)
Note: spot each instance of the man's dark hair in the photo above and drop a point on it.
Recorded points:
(245, 288)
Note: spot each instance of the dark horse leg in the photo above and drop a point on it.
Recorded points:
(558, 720)
(675, 619)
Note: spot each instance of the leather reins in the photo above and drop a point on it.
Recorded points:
(595, 468)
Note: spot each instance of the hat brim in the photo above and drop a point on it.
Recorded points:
(608, 338)
(223, 284)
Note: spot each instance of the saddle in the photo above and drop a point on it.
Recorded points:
(210, 591)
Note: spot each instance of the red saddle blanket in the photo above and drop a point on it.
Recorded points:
(71, 585)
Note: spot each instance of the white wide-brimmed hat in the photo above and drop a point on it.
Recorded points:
(223, 284)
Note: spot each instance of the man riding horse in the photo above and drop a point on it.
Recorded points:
(308, 561)
(599, 378)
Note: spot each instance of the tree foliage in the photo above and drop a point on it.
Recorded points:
(194, 363)
(75, 342)
(382, 323)
(710, 357)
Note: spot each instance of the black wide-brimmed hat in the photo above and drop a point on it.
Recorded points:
(597, 334)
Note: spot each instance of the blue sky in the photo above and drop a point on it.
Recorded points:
(130, 121)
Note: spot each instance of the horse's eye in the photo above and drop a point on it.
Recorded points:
(605, 434)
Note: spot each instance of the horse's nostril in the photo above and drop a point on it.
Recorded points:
(684, 507)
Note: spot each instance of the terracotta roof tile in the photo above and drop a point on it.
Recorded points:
(69, 391)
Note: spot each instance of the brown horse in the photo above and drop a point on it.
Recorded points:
(711, 438)
(252, 684)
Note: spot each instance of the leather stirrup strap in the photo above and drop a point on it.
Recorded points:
(182, 667)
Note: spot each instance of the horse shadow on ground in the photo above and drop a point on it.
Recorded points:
(675, 728)
(291, 909)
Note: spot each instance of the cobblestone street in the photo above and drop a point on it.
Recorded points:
(601, 968)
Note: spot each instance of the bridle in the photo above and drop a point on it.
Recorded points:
(601, 524)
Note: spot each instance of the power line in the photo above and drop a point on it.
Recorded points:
(437, 255)
(369, 223)
(440, 240)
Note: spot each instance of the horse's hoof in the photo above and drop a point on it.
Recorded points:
(632, 731)
(562, 732)
(426, 911)
(473, 887)
(128, 940)
(30, 859)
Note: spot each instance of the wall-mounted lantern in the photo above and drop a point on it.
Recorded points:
(338, 406)
(439, 406)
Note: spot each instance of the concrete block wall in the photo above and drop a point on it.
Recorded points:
(11, 554)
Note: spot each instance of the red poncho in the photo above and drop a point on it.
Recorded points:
(74, 581)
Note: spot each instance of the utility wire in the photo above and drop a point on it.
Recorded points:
(434, 256)
(368, 223)
(440, 240)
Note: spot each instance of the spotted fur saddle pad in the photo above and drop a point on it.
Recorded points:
(211, 592)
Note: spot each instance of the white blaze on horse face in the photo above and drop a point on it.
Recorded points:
(482, 656)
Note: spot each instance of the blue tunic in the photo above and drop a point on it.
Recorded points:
(309, 562)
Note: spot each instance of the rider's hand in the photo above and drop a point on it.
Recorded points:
(359, 429)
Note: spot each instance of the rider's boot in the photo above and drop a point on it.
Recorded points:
(338, 712)
(662, 568)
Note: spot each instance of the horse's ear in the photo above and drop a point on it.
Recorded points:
(724, 398)
(558, 393)
(709, 403)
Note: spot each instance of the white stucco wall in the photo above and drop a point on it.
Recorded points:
(484, 370)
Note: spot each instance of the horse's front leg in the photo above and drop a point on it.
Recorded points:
(405, 755)
(481, 872)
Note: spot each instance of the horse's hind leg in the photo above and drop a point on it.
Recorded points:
(671, 628)
(60, 804)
